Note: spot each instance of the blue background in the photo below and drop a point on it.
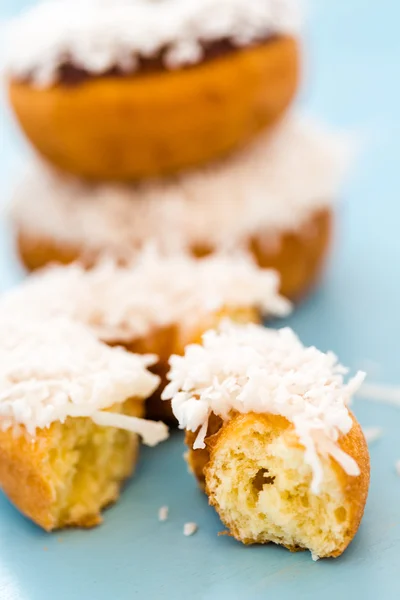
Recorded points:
(352, 80)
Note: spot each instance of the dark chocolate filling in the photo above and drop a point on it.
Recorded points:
(71, 74)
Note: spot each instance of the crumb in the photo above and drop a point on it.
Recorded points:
(189, 529)
(397, 466)
(314, 557)
(45, 548)
(60, 540)
(163, 513)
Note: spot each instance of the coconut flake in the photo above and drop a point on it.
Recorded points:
(397, 467)
(97, 35)
(380, 393)
(189, 529)
(126, 303)
(151, 432)
(315, 557)
(221, 206)
(163, 513)
(53, 369)
(252, 369)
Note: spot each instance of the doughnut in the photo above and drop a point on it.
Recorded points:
(70, 416)
(275, 198)
(283, 459)
(155, 305)
(124, 91)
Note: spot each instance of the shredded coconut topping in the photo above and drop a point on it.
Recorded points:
(53, 369)
(98, 35)
(126, 303)
(189, 529)
(219, 206)
(252, 369)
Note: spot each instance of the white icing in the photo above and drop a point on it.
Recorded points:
(97, 35)
(252, 369)
(273, 186)
(53, 369)
(125, 303)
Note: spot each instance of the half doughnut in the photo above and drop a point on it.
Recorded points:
(70, 411)
(271, 438)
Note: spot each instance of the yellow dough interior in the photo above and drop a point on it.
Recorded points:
(87, 464)
(261, 488)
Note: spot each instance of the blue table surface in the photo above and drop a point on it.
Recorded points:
(352, 80)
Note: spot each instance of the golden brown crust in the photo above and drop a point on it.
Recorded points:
(163, 343)
(36, 252)
(125, 128)
(354, 489)
(297, 256)
(28, 480)
(198, 459)
(22, 478)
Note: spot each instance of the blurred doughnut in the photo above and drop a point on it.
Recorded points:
(274, 198)
(123, 91)
(154, 305)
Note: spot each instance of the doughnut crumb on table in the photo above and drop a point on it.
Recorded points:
(155, 304)
(71, 412)
(127, 90)
(271, 437)
(247, 201)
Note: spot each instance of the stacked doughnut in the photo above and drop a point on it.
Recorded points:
(168, 120)
(164, 125)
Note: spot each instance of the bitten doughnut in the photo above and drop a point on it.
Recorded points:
(128, 90)
(70, 411)
(282, 458)
(274, 198)
(152, 306)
